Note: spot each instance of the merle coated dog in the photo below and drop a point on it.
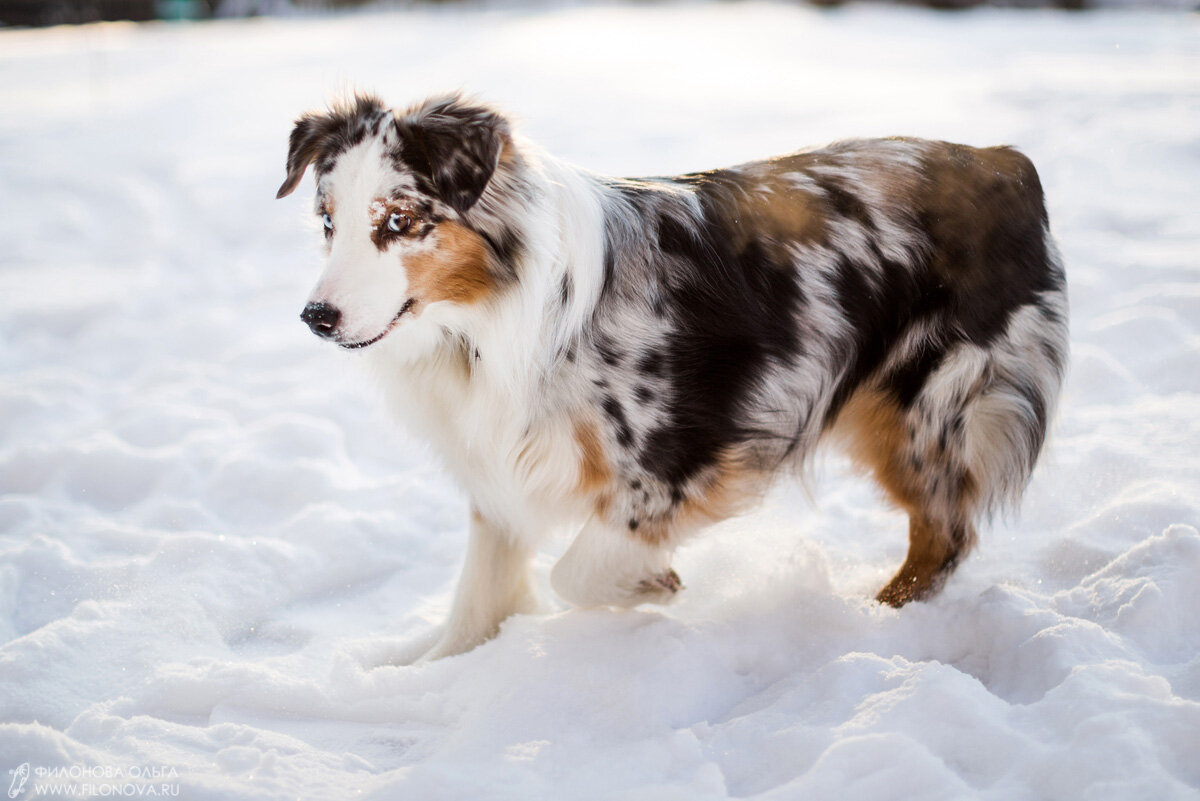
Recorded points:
(633, 359)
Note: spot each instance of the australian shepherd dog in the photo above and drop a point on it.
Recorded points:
(634, 359)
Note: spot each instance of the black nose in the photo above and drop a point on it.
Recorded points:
(322, 318)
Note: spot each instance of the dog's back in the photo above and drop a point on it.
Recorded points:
(902, 293)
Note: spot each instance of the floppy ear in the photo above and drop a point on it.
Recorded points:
(326, 134)
(303, 146)
(455, 145)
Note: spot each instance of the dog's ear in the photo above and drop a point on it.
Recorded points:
(320, 135)
(303, 146)
(455, 144)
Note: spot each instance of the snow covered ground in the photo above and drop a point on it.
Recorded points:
(212, 539)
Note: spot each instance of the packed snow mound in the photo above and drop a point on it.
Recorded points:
(214, 546)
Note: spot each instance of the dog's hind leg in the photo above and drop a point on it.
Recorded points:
(934, 550)
(968, 442)
(921, 472)
(608, 566)
(494, 584)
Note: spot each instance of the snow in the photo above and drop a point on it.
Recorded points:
(213, 541)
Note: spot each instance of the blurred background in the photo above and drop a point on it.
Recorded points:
(58, 12)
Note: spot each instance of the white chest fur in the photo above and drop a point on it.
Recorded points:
(516, 459)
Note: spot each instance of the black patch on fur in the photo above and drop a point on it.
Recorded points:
(879, 308)
(566, 290)
(1053, 355)
(634, 191)
(651, 364)
(610, 268)
(644, 394)
(612, 407)
(322, 137)
(697, 179)
(844, 203)
(452, 146)
(907, 380)
(732, 313)
(506, 248)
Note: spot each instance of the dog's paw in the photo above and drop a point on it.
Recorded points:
(659, 589)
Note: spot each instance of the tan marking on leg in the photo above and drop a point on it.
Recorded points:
(595, 474)
(931, 554)
(874, 431)
(729, 488)
(873, 427)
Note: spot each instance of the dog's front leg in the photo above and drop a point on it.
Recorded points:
(494, 584)
(609, 566)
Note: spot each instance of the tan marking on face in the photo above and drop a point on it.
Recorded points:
(456, 270)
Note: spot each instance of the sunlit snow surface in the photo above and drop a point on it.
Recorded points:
(211, 535)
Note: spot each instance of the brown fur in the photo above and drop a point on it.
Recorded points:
(730, 488)
(970, 198)
(457, 271)
(800, 220)
(594, 472)
(879, 440)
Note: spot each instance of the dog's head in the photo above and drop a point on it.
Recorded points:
(399, 195)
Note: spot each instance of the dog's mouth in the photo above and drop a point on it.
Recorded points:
(407, 307)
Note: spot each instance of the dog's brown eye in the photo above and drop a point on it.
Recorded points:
(399, 223)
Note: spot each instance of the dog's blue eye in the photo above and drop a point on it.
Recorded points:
(328, 221)
(398, 223)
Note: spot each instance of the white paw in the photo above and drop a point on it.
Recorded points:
(660, 589)
(588, 587)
